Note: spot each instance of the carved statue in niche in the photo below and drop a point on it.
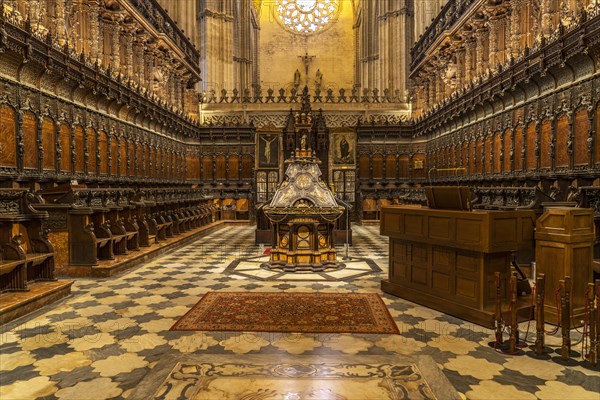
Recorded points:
(318, 79)
(296, 78)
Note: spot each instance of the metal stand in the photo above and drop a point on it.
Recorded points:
(347, 244)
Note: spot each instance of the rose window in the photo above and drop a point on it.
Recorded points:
(307, 16)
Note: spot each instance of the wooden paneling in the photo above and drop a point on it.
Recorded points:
(497, 151)
(103, 147)
(377, 166)
(531, 144)
(472, 155)
(8, 137)
(114, 154)
(234, 163)
(404, 160)
(488, 155)
(123, 158)
(363, 165)
(92, 149)
(221, 165)
(518, 148)
(507, 143)
(30, 158)
(207, 168)
(247, 167)
(446, 259)
(545, 144)
(193, 167)
(390, 166)
(48, 144)
(132, 149)
(562, 136)
(79, 149)
(564, 247)
(65, 145)
(146, 161)
(478, 155)
(581, 127)
(597, 141)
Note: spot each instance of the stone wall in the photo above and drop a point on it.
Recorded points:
(280, 51)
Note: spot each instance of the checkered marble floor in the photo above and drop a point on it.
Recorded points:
(103, 340)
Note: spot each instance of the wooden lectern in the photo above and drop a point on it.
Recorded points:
(446, 259)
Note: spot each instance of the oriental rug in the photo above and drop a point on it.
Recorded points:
(289, 312)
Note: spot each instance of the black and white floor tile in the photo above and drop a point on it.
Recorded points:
(103, 340)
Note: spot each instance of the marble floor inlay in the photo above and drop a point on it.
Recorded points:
(106, 339)
(257, 268)
(322, 381)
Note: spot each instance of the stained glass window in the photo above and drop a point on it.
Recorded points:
(307, 16)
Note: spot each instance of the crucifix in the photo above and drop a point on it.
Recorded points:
(306, 60)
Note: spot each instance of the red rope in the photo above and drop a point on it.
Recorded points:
(557, 300)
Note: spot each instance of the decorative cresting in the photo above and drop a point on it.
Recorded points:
(303, 209)
(307, 16)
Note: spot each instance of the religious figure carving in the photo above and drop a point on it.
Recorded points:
(318, 78)
(303, 142)
(296, 78)
(268, 146)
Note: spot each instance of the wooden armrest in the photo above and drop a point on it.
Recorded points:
(8, 266)
(102, 241)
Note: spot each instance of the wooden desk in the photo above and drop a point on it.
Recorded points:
(446, 259)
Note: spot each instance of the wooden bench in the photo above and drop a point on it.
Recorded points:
(27, 255)
(369, 209)
(242, 209)
(228, 209)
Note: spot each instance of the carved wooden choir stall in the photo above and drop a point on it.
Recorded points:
(26, 257)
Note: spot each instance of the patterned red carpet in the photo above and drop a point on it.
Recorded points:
(289, 312)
